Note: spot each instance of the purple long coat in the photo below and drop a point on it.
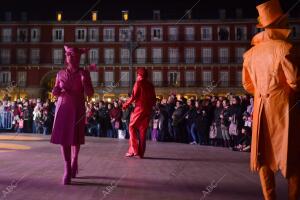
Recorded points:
(69, 120)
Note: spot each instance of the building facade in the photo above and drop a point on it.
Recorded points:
(187, 57)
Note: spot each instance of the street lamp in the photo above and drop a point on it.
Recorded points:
(131, 46)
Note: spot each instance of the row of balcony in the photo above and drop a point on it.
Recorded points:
(122, 84)
(126, 61)
(127, 38)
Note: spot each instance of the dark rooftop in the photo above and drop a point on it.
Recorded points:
(138, 9)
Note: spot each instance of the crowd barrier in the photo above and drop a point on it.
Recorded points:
(6, 119)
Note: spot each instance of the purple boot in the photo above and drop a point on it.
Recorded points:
(74, 168)
(66, 152)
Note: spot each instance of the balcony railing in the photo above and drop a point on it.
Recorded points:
(57, 61)
(125, 61)
(157, 60)
(137, 61)
(35, 61)
(175, 84)
(5, 61)
(6, 38)
(189, 37)
(173, 37)
(21, 60)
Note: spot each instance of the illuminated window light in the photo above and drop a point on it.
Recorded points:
(94, 16)
(125, 15)
(59, 16)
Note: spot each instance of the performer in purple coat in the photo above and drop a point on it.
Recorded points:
(72, 83)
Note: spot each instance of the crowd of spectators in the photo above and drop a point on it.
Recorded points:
(224, 121)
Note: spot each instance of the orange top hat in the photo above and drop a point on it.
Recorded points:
(269, 12)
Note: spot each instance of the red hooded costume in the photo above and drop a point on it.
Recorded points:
(143, 95)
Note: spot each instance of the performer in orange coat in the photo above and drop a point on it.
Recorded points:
(143, 96)
(271, 74)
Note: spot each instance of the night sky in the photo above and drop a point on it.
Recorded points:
(139, 9)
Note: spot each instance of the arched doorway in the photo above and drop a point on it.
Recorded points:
(48, 82)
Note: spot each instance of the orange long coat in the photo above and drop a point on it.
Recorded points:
(270, 73)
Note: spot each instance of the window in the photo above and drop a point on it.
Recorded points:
(109, 78)
(124, 56)
(124, 78)
(256, 30)
(5, 78)
(223, 33)
(189, 33)
(35, 35)
(108, 34)
(94, 78)
(5, 56)
(239, 52)
(141, 34)
(93, 34)
(94, 56)
(57, 56)
(241, 33)
(223, 55)
(157, 55)
(35, 56)
(157, 78)
(238, 78)
(224, 78)
(173, 33)
(173, 55)
(156, 14)
(6, 35)
(22, 35)
(80, 35)
(295, 31)
(207, 78)
(206, 33)
(21, 56)
(174, 78)
(156, 34)
(206, 55)
(124, 35)
(21, 78)
(189, 55)
(190, 78)
(109, 56)
(141, 56)
(83, 59)
(58, 35)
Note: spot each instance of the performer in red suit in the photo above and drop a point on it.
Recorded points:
(143, 95)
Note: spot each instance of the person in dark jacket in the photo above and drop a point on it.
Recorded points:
(178, 122)
(115, 116)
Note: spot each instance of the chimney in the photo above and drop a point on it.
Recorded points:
(24, 16)
(222, 14)
(188, 14)
(239, 13)
(8, 16)
(156, 14)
